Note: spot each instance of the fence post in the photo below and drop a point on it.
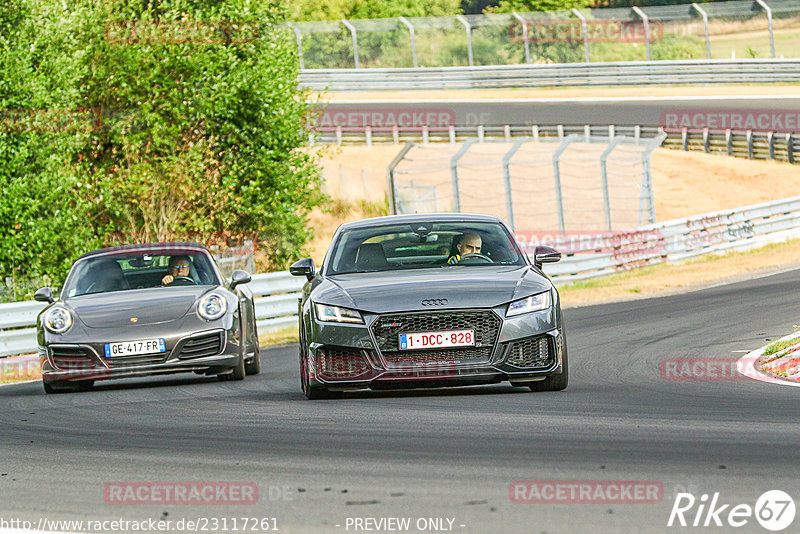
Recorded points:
(452, 132)
(424, 134)
(454, 172)
(524, 35)
(395, 134)
(413, 39)
(685, 138)
(604, 177)
(749, 144)
(729, 141)
(507, 178)
(585, 31)
(560, 130)
(507, 132)
(355, 41)
(557, 176)
(647, 180)
(646, 22)
(480, 133)
(299, 40)
(766, 8)
(705, 26)
(706, 147)
(390, 175)
(789, 148)
(468, 28)
(535, 132)
(587, 132)
(368, 135)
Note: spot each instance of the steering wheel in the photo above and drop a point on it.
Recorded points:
(182, 281)
(474, 258)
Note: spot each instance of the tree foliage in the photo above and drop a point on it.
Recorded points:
(142, 120)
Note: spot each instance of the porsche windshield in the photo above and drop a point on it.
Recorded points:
(138, 270)
(423, 245)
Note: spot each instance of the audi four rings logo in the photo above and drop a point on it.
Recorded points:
(434, 302)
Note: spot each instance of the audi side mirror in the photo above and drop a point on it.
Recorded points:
(542, 255)
(304, 267)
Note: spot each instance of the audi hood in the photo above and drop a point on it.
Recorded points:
(474, 286)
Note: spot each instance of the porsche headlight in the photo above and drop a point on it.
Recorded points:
(58, 320)
(538, 302)
(212, 307)
(335, 314)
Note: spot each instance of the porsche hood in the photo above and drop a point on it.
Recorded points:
(461, 286)
(148, 306)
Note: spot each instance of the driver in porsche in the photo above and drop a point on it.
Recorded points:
(178, 266)
(470, 243)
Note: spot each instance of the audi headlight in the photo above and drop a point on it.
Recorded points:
(538, 302)
(58, 320)
(335, 314)
(212, 307)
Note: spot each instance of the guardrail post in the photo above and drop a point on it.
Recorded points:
(468, 28)
(749, 144)
(390, 175)
(395, 134)
(424, 134)
(647, 180)
(298, 37)
(413, 39)
(524, 35)
(368, 135)
(587, 132)
(685, 138)
(729, 141)
(355, 41)
(637, 133)
(454, 172)
(452, 132)
(557, 177)
(535, 132)
(604, 177)
(611, 131)
(560, 130)
(507, 178)
(766, 8)
(706, 148)
(771, 144)
(339, 136)
(705, 27)
(646, 22)
(789, 148)
(584, 31)
(480, 133)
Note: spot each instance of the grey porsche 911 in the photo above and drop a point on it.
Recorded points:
(139, 310)
(434, 300)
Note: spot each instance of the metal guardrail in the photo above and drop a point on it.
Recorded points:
(779, 146)
(608, 253)
(275, 299)
(707, 71)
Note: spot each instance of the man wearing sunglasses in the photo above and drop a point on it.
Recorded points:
(178, 267)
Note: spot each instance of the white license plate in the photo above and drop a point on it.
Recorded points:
(437, 340)
(131, 348)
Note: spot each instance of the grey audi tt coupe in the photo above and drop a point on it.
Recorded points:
(140, 310)
(430, 300)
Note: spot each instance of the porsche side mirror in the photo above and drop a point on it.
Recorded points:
(239, 277)
(44, 295)
(304, 267)
(542, 255)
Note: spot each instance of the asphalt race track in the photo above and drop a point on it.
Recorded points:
(621, 111)
(448, 454)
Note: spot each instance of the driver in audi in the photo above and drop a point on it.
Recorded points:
(469, 243)
(178, 266)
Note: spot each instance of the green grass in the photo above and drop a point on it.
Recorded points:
(780, 345)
